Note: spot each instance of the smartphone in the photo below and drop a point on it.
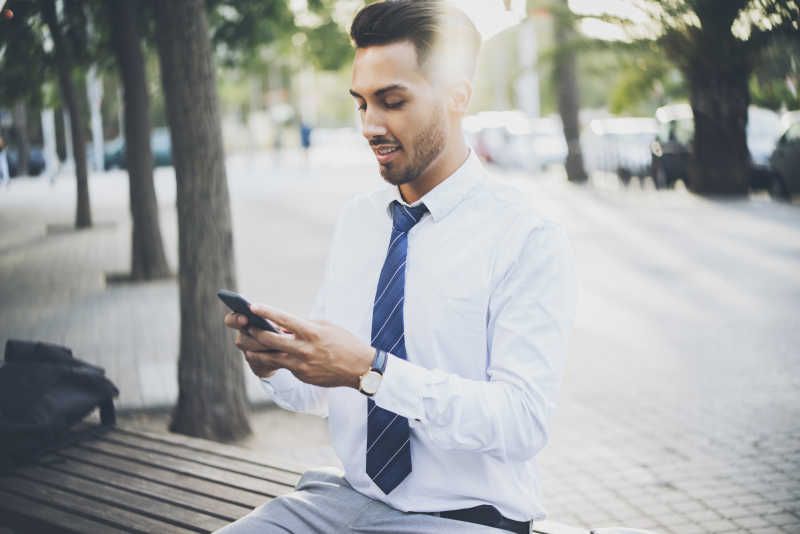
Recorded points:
(239, 304)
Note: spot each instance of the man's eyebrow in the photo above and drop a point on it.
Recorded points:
(383, 90)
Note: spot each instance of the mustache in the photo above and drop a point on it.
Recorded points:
(382, 141)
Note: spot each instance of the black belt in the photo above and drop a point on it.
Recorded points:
(489, 516)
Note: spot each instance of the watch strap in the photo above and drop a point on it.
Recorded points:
(379, 362)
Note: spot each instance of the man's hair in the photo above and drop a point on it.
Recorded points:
(443, 36)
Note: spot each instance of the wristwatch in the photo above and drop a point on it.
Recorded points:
(370, 381)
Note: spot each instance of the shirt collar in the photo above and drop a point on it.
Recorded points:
(443, 198)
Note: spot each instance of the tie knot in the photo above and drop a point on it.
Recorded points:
(404, 217)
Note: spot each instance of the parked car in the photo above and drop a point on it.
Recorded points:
(670, 149)
(512, 139)
(620, 145)
(35, 161)
(160, 144)
(549, 144)
(784, 164)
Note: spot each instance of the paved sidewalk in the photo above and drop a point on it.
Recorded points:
(52, 278)
(680, 406)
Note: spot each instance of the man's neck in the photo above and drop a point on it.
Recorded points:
(440, 169)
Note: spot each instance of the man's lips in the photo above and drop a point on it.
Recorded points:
(385, 153)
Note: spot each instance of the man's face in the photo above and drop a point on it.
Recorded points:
(402, 113)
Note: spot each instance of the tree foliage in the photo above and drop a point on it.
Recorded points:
(777, 69)
(709, 34)
(23, 61)
(327, 46)
(27, 56)
(242, 28)
(716, 46)
(644, 82)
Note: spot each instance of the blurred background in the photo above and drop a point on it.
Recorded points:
(664, 135)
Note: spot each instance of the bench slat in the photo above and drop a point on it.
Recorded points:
(227, 451)
(86, 507)
(185, 497)
(33, 516)
(212, 459)
(187, 467)
(166, 477)
(125, 499)
(124, 480)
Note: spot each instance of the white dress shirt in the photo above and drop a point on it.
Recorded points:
(489, 304)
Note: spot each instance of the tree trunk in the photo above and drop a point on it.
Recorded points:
(61, 136)
(148, 261)
(63, 53)
(21, 131)
(211, 398)
(719, 162)
(568, 98)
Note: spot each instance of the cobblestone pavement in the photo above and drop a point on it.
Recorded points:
(680, 408)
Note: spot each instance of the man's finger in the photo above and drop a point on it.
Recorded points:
(266, 363)
(282, 318)
(274, 355)
(235, 320)
(278, 342)
(273, 359)
(245, 341)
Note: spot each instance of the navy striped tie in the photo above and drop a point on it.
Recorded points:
(388, 445)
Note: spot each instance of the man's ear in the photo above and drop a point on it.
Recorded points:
(459, 95)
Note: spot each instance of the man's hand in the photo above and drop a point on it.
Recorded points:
(249, 346)
(316, 352)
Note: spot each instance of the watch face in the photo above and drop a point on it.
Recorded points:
(370, 382)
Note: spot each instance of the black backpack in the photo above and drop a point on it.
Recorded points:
(44, 390)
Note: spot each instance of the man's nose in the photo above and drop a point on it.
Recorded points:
(373, 124)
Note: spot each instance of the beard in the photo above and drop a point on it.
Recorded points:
(427, 144)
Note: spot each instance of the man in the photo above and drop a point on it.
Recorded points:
(441, 326)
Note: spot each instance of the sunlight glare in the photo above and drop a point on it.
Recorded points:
(490, 16)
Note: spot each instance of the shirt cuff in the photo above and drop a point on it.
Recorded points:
(402, 389)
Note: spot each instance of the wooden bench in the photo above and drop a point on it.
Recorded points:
(125, 480)
(113, 480)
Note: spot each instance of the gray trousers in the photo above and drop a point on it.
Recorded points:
(323, 502)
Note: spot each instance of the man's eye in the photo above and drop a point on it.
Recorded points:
(361, 106)
(394, 105)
